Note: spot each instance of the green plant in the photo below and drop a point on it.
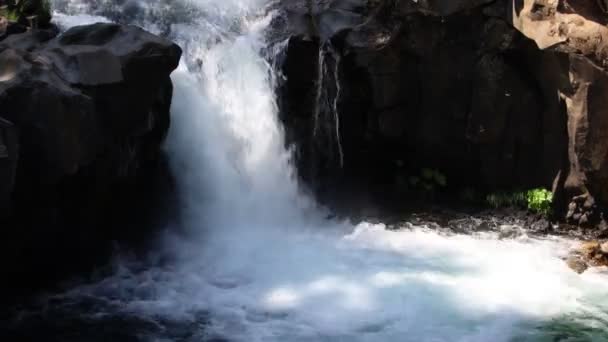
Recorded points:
(22, 10)
(9, 13)
(539, 201)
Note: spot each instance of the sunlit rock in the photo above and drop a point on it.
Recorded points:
(577, 264)
(588, 254)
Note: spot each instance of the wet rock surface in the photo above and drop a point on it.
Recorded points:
(588, 254)
(82, 119)
(497, 95)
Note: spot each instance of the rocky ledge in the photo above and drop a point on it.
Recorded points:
(82, 118)
(588, 254)
(497, 95)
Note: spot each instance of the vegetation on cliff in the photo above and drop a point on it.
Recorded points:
(27, 12)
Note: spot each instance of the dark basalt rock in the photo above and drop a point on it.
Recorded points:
(497, 95)
(82, 119)
(8, 164)
(438, 7)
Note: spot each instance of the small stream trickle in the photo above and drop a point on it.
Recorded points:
(326, 126)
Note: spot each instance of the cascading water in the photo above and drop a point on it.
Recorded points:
(326, 127)
(336, 110)
(258, 262)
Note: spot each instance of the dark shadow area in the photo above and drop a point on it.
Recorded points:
(518, 6)
(89, 220)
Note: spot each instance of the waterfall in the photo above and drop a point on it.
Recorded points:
(326, 117)
(259, 263)
(336, 109)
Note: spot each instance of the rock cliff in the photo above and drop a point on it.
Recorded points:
(497, 95)
(82, 118)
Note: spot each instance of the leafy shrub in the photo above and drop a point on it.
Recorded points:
(9, 13)
(539, 201)
(468, 195)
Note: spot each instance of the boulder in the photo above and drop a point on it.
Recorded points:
(588, 254)
(576, 264)
(82, 117)
(573, 27)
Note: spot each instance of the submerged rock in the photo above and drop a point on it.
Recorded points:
(510, 231)
(577, 264)
(593, 254)
(82, 119)
(588, 254)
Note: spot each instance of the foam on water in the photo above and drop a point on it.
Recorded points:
(260, 261)
(368, 285)
(67, 21)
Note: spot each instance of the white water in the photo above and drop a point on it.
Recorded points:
(259, 258)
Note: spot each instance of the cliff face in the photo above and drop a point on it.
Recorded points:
(497, 95)
(576, 30)
(82, 119)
